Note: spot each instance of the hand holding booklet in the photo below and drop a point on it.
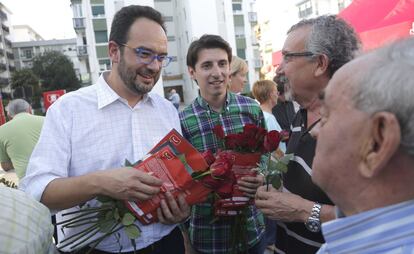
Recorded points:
(172, 160)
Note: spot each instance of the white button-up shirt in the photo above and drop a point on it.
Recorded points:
(94, 129)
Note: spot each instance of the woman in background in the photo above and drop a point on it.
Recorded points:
(265, 92)
(238, 74)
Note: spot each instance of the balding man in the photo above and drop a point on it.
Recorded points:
(365, 153)
(19, 136)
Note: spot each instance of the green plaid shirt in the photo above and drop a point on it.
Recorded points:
(197, 122)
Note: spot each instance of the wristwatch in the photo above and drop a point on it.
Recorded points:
(314, 221)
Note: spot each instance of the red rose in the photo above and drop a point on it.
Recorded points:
(218, 130)
(222, 166)
(271, 141)
(208, 157)
(285, 135)
(233, 141)
(225, 190)
(249, 130)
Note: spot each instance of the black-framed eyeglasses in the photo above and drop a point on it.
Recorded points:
(146, 56)
(289, 55)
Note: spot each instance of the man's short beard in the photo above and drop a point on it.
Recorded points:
(128, 76)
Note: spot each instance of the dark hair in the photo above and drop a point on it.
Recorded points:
(333, 37)
(207, 41)
(280, 85)
(125, 17)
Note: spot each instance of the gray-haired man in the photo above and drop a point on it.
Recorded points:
(365, 164)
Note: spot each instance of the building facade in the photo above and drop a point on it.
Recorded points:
(25, 33)
(25, 51)
(185, 20)
(7, 66)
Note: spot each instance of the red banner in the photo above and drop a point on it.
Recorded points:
(51, 96)
(2, 114)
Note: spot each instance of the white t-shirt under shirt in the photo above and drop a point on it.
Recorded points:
(272, 124)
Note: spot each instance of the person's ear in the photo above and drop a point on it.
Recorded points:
(322, 65)
(383, 143)
(114, 52)
(191, 71)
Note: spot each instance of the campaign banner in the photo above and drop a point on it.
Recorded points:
(50, 97)
(2, 113)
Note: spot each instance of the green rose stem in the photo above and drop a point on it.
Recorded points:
(74, 220)
(91, 209)
(81, 224)
(100, 239)
(268, 173)
(92, 229)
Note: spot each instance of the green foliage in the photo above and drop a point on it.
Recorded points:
(25, 78)
(55, 71)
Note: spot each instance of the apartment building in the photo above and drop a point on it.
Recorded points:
(6, 54)
(25, 51)
(185, 21)
(25, 33)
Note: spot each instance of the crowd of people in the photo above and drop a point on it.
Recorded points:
(347, 188)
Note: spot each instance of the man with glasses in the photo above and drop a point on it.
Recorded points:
(88, 134)
(313, 50)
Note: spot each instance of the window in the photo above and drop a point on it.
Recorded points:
(237, 7)
(104, 64)
(77, 10)
(101, 36)
(98, 10)
(305, 9)
(238, 20)
(241, 53)
(171, 38)
(28, 53)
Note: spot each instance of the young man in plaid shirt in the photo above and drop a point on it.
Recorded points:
(208, 61)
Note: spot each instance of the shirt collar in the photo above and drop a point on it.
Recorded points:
(107, 96)
(204, 104)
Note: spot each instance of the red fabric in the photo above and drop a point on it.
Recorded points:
(380, 22)
(366, 15)
(378, 37)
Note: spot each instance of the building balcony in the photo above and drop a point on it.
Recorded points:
(8, 42)
(3, 15)
(1, 52)
(3, 67)
(10, 56)
(79, 23)
(12, 68)
(5, 28)
(82, 51)
(253, 17)
(4, 82)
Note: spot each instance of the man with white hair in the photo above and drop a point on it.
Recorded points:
(365, 153)
(19, 136)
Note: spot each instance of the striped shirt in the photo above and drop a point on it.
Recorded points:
(197, 122)
(293, 237)
(26, 226)
(383, 230)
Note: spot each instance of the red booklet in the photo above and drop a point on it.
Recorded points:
(172, 160)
